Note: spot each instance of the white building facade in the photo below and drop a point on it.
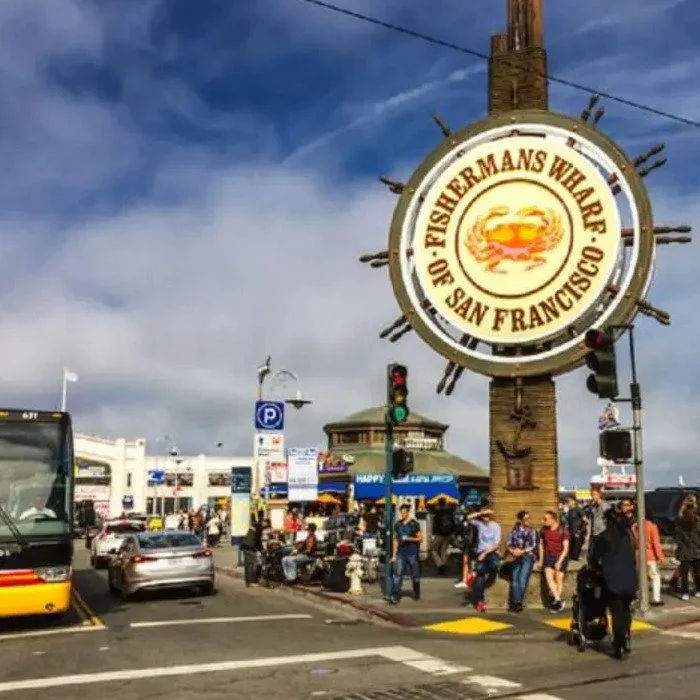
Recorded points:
(114, 473)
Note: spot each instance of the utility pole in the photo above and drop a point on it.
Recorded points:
(636, 398)
(388, 519)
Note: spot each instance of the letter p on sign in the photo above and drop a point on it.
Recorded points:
(269, 415)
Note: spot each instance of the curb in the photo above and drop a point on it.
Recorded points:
(392, 617)
(323, 599)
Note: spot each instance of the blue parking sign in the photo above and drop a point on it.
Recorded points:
(269, 415)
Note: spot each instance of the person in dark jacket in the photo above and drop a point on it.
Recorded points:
(252, 547)
(576, 525)
(613, 552)
(687, 536)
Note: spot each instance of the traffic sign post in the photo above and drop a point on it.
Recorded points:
(269, 415)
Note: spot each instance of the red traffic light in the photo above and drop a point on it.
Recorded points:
(597, 340)
(398, 376)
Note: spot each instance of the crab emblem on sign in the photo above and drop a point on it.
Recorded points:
(522, 237)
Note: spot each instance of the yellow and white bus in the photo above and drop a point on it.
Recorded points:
(36, 512)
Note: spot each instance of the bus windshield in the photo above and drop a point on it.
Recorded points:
(34, 478)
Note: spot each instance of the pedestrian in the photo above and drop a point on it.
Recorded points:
(522, 545)
(443, 529)
(595, 513)
(302, 555)
(553, 551)
(292, 525)
(487, 557)
(213, 530)
(252, 550)
(575, 524)
(613, 553)
(655, 554)
(369, 522)
(687, 537)
(406, 546)
(469, 539)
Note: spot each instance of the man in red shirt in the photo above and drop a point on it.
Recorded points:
(553, 551)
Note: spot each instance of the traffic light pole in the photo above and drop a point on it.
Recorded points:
(636, 401)
(636, 396)
(388, 470)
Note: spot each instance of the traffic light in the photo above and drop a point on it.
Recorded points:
(397, 393)
(403, 463)
(616, 445)
(601, 360)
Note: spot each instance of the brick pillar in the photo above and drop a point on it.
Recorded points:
(526, 477)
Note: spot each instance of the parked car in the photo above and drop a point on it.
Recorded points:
(108, 541)
(665, 503)
(159, 560)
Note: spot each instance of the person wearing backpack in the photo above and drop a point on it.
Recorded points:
(470, 537)
(443, 529)
(553, 552)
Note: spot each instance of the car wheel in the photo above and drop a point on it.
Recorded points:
(209, 589)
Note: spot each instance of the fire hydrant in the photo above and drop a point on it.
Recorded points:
(354, 571)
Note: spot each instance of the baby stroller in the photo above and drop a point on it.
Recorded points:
(589, 620)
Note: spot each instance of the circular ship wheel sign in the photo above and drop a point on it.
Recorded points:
(506, 245)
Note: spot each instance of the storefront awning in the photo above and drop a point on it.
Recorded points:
(332, 487)
(371, 486)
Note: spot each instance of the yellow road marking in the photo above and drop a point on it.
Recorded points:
(564, 623)
(91, 617)
(468, 625)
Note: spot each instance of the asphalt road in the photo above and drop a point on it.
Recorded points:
(255, 643)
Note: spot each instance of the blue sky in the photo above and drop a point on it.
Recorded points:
(187, 187)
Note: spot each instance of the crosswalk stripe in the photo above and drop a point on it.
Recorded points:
(492, 684)
(404, 655)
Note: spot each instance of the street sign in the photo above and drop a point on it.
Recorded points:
(269, 415)
(156, 476)
(269, 446)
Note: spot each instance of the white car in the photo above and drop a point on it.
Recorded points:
(107, 543)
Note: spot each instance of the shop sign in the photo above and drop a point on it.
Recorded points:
(302, 474)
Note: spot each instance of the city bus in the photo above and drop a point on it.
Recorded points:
(36, 512)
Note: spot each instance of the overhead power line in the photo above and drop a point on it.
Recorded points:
(478, 54)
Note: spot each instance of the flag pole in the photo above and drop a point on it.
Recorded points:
(64, 391)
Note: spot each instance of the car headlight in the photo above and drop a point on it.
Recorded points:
(54, 574)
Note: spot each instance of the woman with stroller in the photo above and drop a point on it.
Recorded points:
(613, 553)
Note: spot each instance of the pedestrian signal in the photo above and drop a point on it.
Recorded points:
(601, 359)
(397, 394)
(403, 463)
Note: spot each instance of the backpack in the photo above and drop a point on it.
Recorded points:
(470, 535)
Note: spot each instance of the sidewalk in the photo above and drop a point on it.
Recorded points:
(443, 608)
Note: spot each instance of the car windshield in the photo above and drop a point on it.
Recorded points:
(34, 478)
(123, 528)
(167, 540)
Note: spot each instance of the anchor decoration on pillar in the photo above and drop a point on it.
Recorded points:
(519, 459)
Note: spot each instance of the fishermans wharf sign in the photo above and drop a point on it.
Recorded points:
(507, 243)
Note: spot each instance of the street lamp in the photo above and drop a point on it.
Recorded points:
(278, 381)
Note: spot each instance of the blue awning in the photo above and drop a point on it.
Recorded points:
(332, 487)
(371, 486)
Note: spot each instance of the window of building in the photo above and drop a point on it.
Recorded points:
(349, 438)
(219, 478)
(128, 480)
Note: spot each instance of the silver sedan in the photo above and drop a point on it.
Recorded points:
(159, 560)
